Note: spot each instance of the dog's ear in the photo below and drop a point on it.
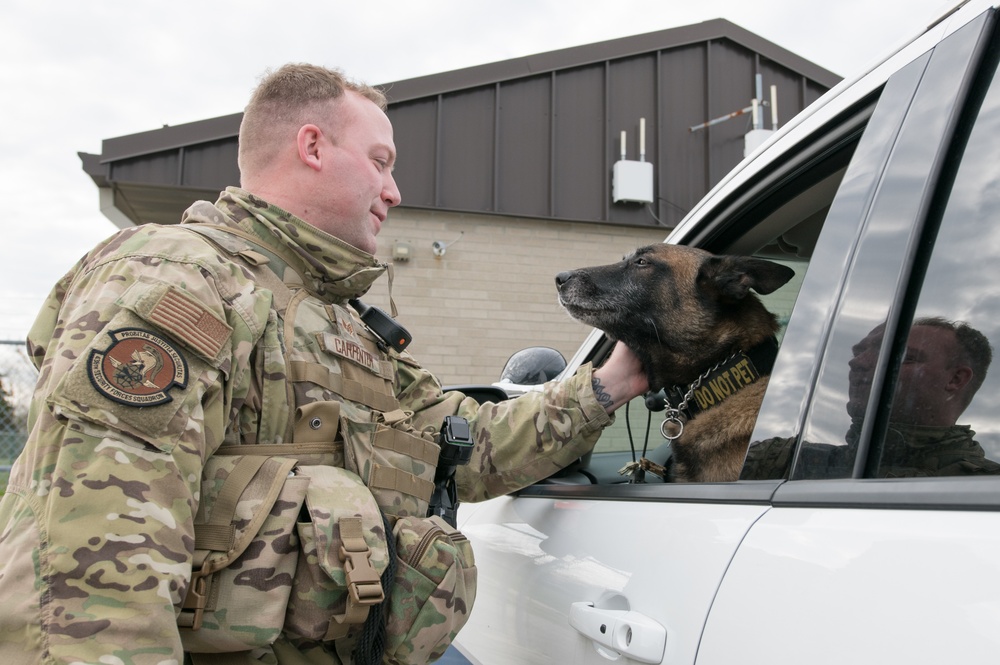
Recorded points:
(733, 276)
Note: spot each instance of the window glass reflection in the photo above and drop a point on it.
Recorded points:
(945, 413)
(943, 366)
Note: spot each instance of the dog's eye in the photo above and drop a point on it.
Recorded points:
(641, 262)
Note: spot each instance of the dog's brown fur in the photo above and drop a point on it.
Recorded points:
(682, 310)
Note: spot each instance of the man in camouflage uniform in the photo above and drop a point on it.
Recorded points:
(164, 344)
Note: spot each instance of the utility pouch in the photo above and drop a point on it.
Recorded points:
(245, 553)
(342, 555)
(434, 590)
(397, 464)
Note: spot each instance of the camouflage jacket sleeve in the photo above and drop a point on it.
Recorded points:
(97, 521)
(519, 441)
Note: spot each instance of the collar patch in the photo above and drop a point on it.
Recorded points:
(732, 377)
(139, 368)
(725, 379)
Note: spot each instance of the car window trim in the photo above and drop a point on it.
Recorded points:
(753, 492)
(950, 493)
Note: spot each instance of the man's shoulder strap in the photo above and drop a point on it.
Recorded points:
(258, 258)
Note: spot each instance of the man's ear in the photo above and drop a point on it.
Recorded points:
(308, 141)
(960, 378)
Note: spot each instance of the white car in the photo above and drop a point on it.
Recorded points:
(884, 196)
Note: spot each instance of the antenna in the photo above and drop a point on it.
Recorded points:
(757, 121)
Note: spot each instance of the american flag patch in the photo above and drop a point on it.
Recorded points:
(190, 322)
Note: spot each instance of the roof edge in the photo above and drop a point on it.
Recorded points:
(171, 137)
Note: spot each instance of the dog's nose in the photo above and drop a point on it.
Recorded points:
(563, 277)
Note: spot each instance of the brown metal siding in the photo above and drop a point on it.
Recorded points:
(466, 156)
(731, 87)
(812, 92)
(524, 153)
(211, 165)
(789, 92)
(415, 136)
(158, 169)
(632, 94)
(580, 164)
(544, 146)
(682, 175)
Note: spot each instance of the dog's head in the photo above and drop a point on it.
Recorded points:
(680, 309)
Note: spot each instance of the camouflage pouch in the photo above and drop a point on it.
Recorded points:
(396, 463)
(245, 553)
(434, 590)
(342, 555)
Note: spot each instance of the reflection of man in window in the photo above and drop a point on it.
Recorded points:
(944, 365)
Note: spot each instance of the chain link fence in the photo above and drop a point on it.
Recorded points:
(17, 381)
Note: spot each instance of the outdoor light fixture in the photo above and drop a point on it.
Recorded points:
(439, 247)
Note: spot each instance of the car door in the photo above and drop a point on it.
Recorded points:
(586, 567)
(883, 546)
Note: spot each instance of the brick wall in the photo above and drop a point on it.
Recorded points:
(492, 293)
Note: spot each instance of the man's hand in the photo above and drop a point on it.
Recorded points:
(619, 379)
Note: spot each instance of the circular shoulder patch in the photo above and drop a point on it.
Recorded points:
(138, 368)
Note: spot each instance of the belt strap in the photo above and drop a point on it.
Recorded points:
(364, 586)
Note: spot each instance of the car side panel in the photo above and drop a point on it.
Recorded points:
(860, 586)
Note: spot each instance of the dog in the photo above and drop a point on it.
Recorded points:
(702, 336)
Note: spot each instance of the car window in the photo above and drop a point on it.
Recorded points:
(944, 418)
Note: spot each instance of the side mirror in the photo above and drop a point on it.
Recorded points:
(532, 366)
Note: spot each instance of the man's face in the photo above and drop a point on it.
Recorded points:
(926, 371)
(358, 185)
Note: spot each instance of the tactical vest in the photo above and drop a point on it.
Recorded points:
(341, 382)
(326, 439)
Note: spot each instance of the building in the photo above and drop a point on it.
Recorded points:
(510, 173)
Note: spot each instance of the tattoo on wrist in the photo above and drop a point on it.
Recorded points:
(603, 398)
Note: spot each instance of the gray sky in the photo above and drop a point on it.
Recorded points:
(75, 73)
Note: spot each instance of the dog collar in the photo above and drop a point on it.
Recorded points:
(725, 379)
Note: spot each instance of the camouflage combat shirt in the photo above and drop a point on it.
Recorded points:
(154, 350)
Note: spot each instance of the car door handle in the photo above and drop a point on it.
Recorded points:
(622, 631)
